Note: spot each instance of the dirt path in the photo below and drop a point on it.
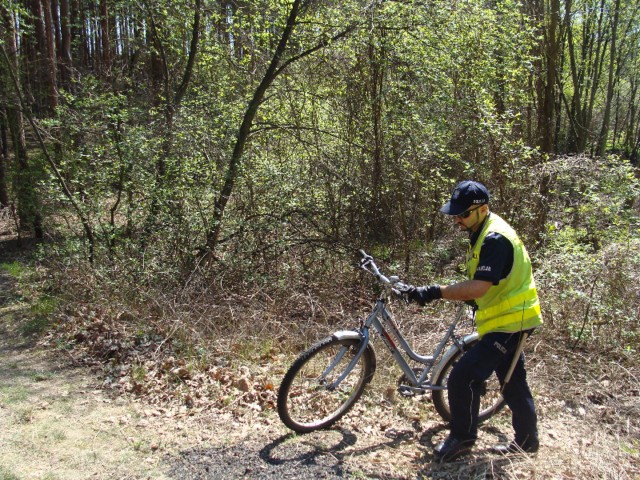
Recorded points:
(57, 422)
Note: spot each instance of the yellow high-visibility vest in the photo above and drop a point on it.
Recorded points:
(512, 305)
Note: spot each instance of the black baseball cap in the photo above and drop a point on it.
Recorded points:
(465, 195)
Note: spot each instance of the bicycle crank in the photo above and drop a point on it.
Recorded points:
(406, 389)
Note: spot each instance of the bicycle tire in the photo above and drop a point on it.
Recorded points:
(491, 401)
(304, 402)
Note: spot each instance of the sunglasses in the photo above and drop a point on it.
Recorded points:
(466, 213)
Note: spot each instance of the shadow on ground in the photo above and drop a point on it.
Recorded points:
(333, 454)
(330, 454)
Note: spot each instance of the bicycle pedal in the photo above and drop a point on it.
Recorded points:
(406, 391)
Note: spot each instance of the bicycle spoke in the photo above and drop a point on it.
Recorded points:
(309, 398)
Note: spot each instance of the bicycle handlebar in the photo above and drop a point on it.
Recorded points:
(367, 263)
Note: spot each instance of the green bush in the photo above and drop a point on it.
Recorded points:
(590, 255)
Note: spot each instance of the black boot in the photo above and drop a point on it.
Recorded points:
(452, 448)
(530, 445)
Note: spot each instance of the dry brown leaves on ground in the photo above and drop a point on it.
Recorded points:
(589, 412)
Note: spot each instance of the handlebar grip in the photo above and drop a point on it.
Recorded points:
(366, 259)
(367, 263)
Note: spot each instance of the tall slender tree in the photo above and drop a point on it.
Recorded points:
(4, 157)
(27, 199)
(611, 82)
(50, 60)
(65, 58)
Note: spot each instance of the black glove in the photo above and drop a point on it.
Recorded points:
(422, 295)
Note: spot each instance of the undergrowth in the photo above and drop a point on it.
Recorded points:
(223, 334)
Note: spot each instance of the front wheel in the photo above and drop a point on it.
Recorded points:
(309, 398)
(491, 400)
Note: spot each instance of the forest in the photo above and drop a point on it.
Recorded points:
(200, 169)
(189, 130)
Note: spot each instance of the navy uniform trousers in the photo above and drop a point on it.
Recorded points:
(493, 353)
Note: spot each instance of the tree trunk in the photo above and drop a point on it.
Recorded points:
(546, 123)
(4, 162)
(604, 132)
(586, 71)
(54, 7)
(50, 64)
(17, 121)
(213, 236)
(66, 61)
(84, 50)
(105, 37)
(629, 137)
(378, 230)
(171, 104)
(193, 49)
(635, 152)
(35, 49)
(596, 74)
(23, 185)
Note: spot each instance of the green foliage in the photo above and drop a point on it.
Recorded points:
(591, 255)
(356, 144)
(39, 320)
(31, 290)
(15, 268)
(6, 474)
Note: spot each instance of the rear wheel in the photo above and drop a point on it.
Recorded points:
(491, 401)
(308, 398)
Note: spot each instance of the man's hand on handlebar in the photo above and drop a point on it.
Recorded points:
(400, 290)
(420, 295)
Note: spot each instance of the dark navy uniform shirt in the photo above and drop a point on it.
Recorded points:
(496, 257)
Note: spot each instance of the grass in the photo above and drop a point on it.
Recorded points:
(138, 372)
(14, 269)
(6, 474)
(632, 448)
(13, 395)
(57, 435)
(24, 415)
(50, 476)
(41, 305)
(39, 320)
(41, 376)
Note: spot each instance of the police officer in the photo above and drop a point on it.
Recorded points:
(501, 284)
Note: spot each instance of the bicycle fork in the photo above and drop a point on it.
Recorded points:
(364, 341)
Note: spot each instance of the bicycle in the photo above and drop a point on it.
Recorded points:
(327, 379)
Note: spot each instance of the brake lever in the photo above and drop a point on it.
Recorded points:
(366, 260)
(399, 294)
(399, 290)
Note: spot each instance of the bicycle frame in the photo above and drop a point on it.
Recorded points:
(315, 395)
(383, 324)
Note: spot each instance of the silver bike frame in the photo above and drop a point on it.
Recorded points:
(382, 322)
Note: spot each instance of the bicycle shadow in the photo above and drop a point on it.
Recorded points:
(334, 454)
(309, 450)
(314, 449)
